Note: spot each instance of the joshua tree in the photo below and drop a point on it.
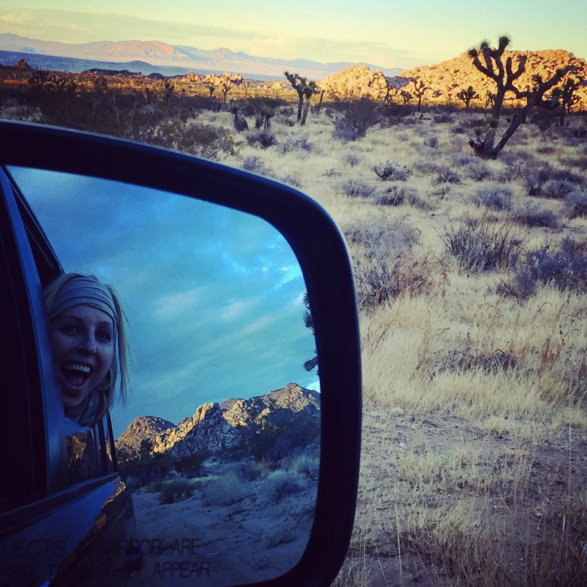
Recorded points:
(420, 88)
(504, 77)
(484, 146)
(304, 89)
(264, 115)
(566, 98)
(467, 95)
(406, 96)
(395, 84)
(309, 90)
(211, 88)
(240, 122)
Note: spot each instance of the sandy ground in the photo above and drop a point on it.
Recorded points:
(377, 557)
(244, 542)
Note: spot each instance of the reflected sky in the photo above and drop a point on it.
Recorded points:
(214, 296)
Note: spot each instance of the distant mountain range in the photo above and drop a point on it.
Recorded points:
(150, 54)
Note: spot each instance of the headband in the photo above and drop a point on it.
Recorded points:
(87, 292)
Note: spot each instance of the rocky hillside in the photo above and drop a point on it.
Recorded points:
(275, 422)
(446, 79)
(459, 73)
(143, 428)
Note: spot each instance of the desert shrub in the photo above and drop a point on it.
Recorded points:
(579, 132)
(380, 279)
(145, 469)
(442, 118)
(446, 175)
(488, 361)
(566, 175)
(201, 103)
(388, 170)
(175, 490)
(432, 142)
(190, 465)
(459, 130)
(478, 246)
(534, 216)
(203, 140)
(534, 180)
(478, 171)
(558, 188)
(565, 269)
(579, 162)
(356, 188)
(263, 139)
(415, 201)
(546, 149)
(384, 268)
(576, 204)
(463, 160)
(284, 534)
(493, 198)
(252, 470)
(394, 195)
(296, 144)
(351, 160)
(225, 490)
(155, 486)
(355, 119)
(426, 167)
(251, 106)
(280, 484)
(254, 164)
(292, 180)
(305, 465)
(282, 433)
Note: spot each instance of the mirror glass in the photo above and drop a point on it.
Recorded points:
(219, 438)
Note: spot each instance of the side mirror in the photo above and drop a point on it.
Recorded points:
(62, 188)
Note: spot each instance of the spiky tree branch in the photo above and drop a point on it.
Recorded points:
(493, 68)
(535, 98)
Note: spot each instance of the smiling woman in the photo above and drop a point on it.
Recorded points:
(89, 345)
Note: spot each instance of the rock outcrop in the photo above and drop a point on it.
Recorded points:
(446, 79)
(355, 82)
(449, 77)
(144, 428)
(275, 423)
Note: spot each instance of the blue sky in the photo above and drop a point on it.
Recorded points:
(387, 33)
(213, 295)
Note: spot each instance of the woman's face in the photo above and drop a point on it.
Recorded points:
(82, 340)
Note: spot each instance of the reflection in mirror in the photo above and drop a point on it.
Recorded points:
(219, 439)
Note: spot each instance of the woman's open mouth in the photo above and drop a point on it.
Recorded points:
(75, 374)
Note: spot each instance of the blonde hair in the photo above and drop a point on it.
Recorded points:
(100, 400)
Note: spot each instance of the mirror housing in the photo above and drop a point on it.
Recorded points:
(321, 252)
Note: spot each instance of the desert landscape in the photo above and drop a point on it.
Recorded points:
(466, 221)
